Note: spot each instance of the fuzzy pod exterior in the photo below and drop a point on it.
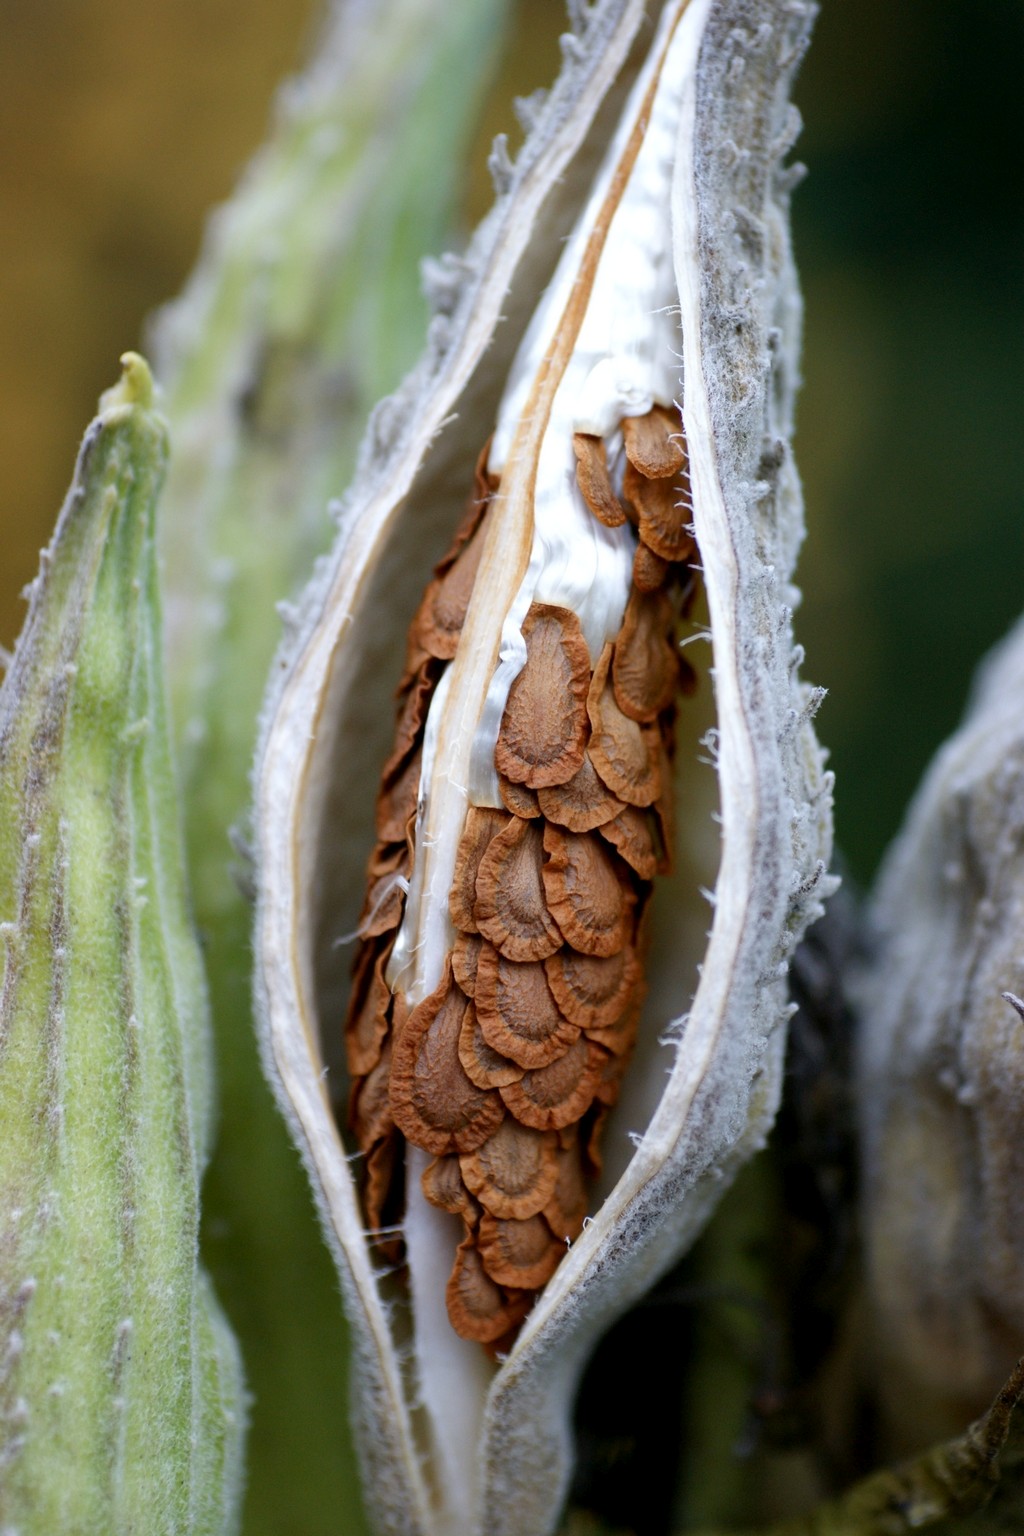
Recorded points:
(121, 1405)
(941, 1073)
(326, 728)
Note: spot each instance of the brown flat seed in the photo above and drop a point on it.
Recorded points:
(415, 659)
(520, 1253)
(582, 802)
(625, 754)
(556, 1096)
(396, 804)
(566, 1211)
(511, 907)
(383, 1195)
(370, 1112)
(443, 1186)
(662, 512)
(362, 978)
(588, 900)
(591, 1132)
(544, 727)
(385, 859)
(465, 957)
(477, 1308)
(385, 899)
(412, 718)
(400, 1011)
(442, 613)
(517, 1012)
(654, 443)
(645, 667)
(609, 1076)
(633, 834)
(620, 1037)
(594, 481)
(482, 825)
(483, 1065)
(368, 1022)
(434, 1103)
(513, 1175)
(591, 990)
(476, 507)
(518, 799)
(650, 571)
(498, 1349)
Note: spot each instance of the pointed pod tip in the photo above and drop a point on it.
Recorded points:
(134, 388)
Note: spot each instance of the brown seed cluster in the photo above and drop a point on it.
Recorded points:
(505, 1074)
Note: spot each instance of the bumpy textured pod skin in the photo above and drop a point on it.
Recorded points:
(941, 1075)
(120, 1387)
(327, 725)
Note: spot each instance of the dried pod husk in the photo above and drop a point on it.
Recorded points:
(941, 1076)
(487, 1446)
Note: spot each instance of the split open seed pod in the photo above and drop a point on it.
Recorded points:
(524, 1098)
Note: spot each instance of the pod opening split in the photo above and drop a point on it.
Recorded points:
(507, 925)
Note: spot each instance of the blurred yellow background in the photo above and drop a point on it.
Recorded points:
(120, 124)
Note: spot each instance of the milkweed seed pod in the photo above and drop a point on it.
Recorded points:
(537, 1029)
(121, 1401)
(941, 1076)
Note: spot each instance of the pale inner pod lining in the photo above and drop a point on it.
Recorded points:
(626, 359)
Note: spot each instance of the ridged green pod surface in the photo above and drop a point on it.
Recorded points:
(120, 1389)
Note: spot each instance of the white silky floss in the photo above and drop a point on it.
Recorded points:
(626, 359)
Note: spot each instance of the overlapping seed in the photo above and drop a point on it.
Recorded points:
(507, 1071)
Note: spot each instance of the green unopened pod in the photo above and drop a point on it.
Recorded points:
(120, 1389)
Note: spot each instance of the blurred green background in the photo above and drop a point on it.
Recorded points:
(121, 124)
(909, 235)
